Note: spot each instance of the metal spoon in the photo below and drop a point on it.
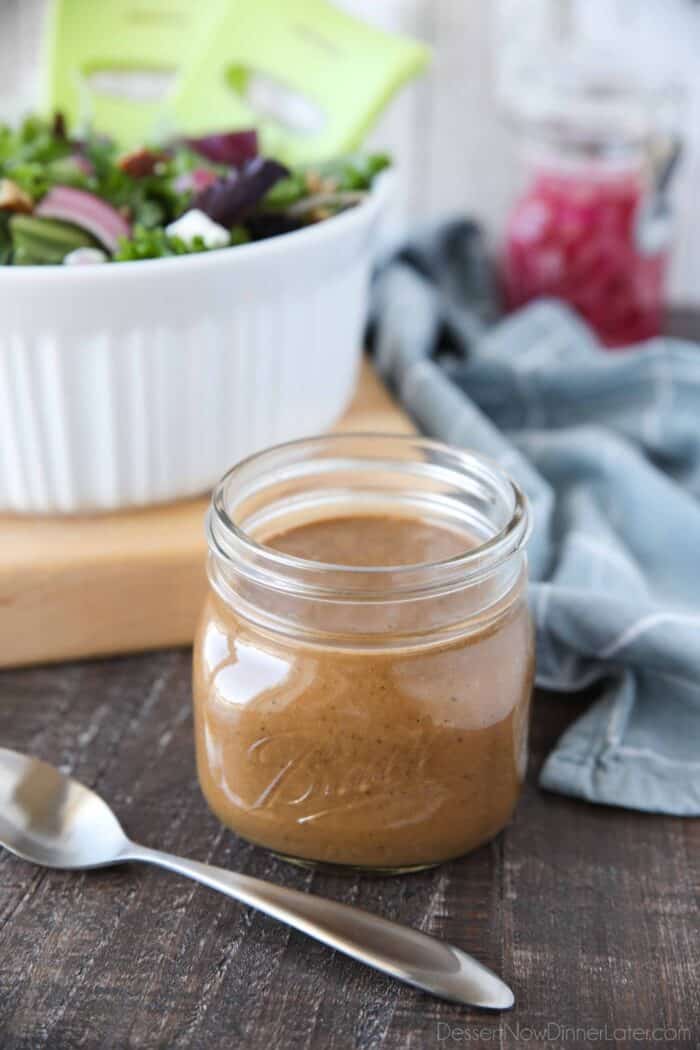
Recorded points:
(50, 819)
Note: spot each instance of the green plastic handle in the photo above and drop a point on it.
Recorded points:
(99, 55)
(311, 78)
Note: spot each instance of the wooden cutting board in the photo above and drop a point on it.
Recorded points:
(117, 583)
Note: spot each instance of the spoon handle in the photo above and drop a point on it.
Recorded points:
(402, 952)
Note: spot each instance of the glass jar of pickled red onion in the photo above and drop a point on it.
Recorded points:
(591, 223)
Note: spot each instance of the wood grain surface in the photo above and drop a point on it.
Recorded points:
(117, 583)
(590, 913)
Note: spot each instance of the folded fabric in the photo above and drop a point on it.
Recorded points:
(607, 447)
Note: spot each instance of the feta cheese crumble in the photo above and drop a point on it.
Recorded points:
(195, 223)
(84, 257)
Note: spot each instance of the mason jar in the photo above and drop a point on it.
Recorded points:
(364, 662)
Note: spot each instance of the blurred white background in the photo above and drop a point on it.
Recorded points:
(447, 131)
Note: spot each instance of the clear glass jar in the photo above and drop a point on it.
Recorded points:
(591, 225)
(364, 716)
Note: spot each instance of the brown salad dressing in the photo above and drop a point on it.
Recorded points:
(388, 758)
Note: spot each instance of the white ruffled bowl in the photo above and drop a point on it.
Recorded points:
(136, 383)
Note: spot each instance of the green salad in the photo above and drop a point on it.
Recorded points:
(67, 199)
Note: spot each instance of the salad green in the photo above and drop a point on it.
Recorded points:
(77, 199)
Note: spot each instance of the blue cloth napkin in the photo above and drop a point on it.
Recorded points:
(607, 447)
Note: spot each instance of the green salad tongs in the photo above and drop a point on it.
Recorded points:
(311, 78)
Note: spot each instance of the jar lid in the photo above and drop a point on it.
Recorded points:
(588, 98)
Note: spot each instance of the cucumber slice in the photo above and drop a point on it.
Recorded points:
(41, 242)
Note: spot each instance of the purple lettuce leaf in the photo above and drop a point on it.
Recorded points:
(234, 197)
(231, 148)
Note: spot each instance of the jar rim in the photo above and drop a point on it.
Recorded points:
(230, 542)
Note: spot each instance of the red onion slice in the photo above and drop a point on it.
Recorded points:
(86, 211)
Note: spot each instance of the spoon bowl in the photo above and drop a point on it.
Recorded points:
(50, 819)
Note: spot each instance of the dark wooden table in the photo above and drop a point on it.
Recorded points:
(589, 912)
